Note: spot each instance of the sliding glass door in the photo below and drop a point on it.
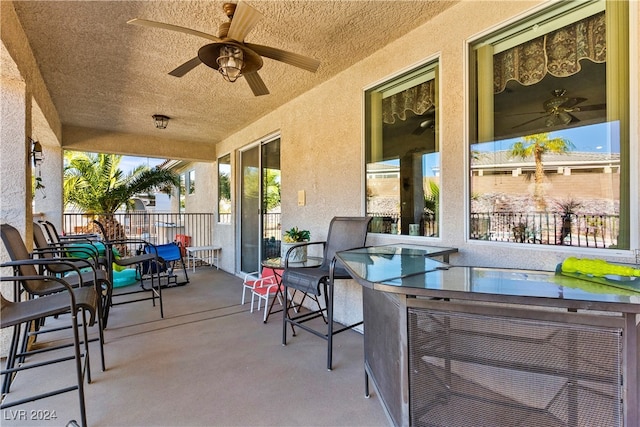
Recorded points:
(259, 204)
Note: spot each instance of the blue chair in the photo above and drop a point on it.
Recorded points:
(169, 258)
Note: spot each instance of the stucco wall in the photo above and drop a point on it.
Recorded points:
(204, 200)
(322, 142)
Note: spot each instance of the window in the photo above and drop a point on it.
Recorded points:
(192, 182)
(402, 154)
(181, 192)
(224, 189)
(549, 152)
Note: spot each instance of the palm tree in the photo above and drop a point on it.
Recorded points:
(536, 145)
(95, 184)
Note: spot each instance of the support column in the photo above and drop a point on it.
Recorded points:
(15, 172)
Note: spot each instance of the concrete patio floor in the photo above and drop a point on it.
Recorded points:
(209, 362)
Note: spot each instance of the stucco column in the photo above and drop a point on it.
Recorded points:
(15, 172)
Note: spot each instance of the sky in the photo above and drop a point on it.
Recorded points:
(128, 163)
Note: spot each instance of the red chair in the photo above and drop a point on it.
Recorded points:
(251, 280)
(264, 289)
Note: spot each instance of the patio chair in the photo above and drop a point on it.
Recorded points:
(137, 261)
(344, 233)
(78, 245)
(264, 288)
(55, 237)
(86, 253)
(17, 314)
(25, 266)
(170, 260)
(253, 279)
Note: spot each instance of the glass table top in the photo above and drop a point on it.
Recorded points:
(279, 262)
(409, 270)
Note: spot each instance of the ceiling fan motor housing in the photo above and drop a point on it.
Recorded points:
(210, 53)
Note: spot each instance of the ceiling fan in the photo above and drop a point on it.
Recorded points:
(558, 109)
(428, 122)
(229, 53)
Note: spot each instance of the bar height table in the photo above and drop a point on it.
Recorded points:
(468, 346)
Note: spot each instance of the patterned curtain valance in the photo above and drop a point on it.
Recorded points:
(418, 99)
(557, 53)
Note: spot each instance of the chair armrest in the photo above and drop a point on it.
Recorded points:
(265, 283)
(255, 275)
(38, 277)
(44, 261)
(301, 244)
(17, 277)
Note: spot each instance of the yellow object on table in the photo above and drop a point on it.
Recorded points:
(597, 268)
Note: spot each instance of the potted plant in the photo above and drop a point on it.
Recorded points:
(291, 238)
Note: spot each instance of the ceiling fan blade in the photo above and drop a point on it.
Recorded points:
(527, 122)
(423, 126)
(154, 24)
(256, 84)
(591, 107)
(244, 19)
(564, 118)
(290, 58)
(186, 67)
(572, 102)
(574, 119)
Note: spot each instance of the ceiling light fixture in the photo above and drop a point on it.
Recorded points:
(160, 121)
(230, 62)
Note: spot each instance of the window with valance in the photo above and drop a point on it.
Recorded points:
(549, 129)
(557, 53)
(402, 154)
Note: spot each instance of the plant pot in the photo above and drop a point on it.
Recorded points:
(297, 255)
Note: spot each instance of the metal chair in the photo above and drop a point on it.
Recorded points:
(344, 233)
(253, 279)
(24, 266)
(16, 314)
(85, 246)
(263, 288)
(138, 261)
(87, 252)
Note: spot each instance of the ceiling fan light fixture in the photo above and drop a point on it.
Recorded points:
(160, 121)
(230, 62)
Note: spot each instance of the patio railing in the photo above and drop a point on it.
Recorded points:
(195, 229)
(595, 231)
(192, 229)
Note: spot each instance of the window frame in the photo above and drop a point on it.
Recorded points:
(224, 160)
(406, 78)
(629, 140)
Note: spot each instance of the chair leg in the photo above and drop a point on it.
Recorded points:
(328, 289)
(79, 370)
(285, 314)
(106, 299)
(266, 308)
(366, 384)
(252, 299)
(101, 327)
(11, 359)
(85, 331)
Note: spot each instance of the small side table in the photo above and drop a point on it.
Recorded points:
(277, 264)
(210, 254)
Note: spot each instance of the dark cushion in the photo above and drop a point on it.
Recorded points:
(308, 279)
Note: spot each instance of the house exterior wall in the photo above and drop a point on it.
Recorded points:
(204, 199)
(322, 144)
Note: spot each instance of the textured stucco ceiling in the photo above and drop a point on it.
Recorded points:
(105, 74)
